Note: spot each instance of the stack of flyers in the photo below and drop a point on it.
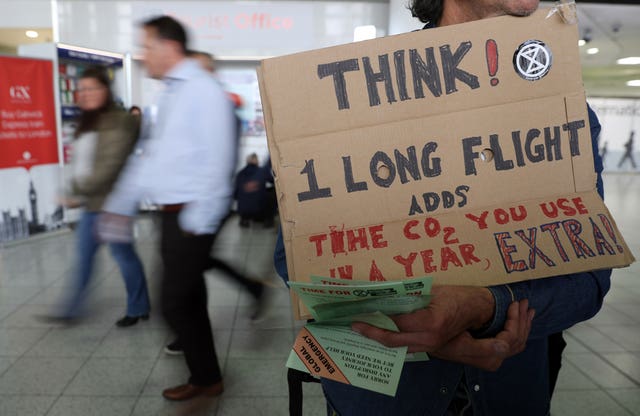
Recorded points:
(329, 348)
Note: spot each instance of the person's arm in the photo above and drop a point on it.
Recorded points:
(117, 136)
(212, 132)
(280, 258)
(560, 302)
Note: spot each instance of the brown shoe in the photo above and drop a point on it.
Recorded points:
(189, 391)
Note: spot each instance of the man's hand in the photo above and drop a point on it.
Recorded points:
(441, 329)
(489, 353)
(451, 311)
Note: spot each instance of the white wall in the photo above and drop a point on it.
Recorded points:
(25, 13)
(400, 19)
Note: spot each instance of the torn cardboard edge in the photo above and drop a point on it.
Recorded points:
(567, 11)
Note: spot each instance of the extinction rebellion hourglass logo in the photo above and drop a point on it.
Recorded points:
(532, 60)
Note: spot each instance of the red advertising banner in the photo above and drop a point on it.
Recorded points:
(27, 113)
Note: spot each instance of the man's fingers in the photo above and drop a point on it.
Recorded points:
(517, 326)
(390, 338)
(412, 322)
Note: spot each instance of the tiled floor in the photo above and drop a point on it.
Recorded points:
(95, 368)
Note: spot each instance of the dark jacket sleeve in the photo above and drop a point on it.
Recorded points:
(280, 258)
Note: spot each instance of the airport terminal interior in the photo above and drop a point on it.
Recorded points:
(97, 368)
(92, 367)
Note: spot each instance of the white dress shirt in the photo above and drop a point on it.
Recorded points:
(189, 155)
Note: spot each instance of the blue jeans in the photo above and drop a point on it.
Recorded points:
(125, 256)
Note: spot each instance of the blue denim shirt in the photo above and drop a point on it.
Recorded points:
(521, 385)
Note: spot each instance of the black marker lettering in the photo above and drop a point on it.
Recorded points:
(469, 155)
(374, 77)
(498, 157)
(352, 186)
(538, 156)
(450, 68)
(337, 70)
(552, 143)
(573, 128)
(401, 75)
(407, 164)
(314, 191)
(425, 72)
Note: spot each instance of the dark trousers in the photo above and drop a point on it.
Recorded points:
(557, 345)
(184, 297)
(252, 286)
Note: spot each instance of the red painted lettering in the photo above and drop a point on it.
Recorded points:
(609, 227)
(580, 206)
(501, 216)
(466, 250)
(552, 228)
(427, 261)
(377, 239)
(506, 250)
(448, 233)
(407, 263)
(360, 239)
(601, 242)
(337, 240)
(519, 215)
(344, 272)
(318, 239)
(407, 230)
(448, 256)
(549, 212)
(481, 220)
(431, 227)
(375, 275)
(567, 209)
(573, 229)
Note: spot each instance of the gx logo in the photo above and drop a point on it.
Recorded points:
(20, 92)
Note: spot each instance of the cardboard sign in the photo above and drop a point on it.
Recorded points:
(462, 153)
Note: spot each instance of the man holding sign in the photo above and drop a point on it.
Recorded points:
(488, 345)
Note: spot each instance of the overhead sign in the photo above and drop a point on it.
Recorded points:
(239, 28)
(462, 153)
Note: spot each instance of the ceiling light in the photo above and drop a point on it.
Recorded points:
(593, 51)
(31, 34)
(631, 60)
(582, 42)
(634, 83)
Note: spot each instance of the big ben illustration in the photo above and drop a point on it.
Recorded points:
(33, 200)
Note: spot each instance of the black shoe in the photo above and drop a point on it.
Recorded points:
(174, 348)
(130, 320)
